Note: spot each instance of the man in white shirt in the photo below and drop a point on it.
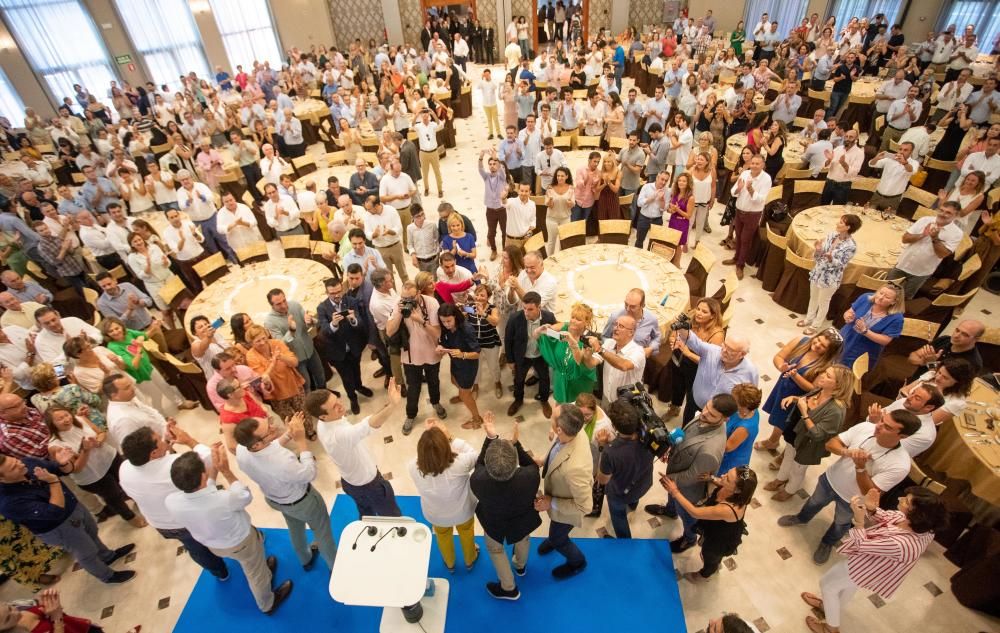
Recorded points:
(920, 137)
(751, 191)
(489, 89)
(281, 212)
(145, 477)
(923, 400)
(547, 162)
(844, 166)
(53, 331)
(126, 412)
(219, 520)
(426, 130)
(953, 93)
(285, 478)
(869, 457)
(351, 215)
(271, 166)
(461, 51)
(423, 243)
(902, 114)
(891, 90)
(534, 278)
(986, 161)
(384, 229)
(396, 188)
(984, 102)
(450, 272)
(530, 139)
(17, 312)
(944, 46)
(896, 172)
(184, 239)
(347, 446)
(963, 55)
(592, 114)
(815, 155)
(198, 201)
(929, 240)
(17, 354)
(681, 139)
(624, 360)
(785, 106)
(521, 216)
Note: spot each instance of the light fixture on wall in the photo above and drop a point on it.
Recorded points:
(200, 6)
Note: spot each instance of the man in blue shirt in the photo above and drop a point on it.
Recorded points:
(720, 369)
(510, 151)
(97, 192)
(222, 78)
(647, 328)
(619, 61)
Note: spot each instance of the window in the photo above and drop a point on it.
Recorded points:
(844, 10)
(787, 13)
(247, 32)
(62, 45)
(11, 105)
(164, 33)
(984, 14)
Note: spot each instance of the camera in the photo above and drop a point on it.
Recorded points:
(588, 335)
(653, 433)
(406, 306)
(683, 322)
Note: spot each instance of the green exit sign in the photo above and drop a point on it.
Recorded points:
(121, 60)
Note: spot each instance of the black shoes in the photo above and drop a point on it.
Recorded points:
(272, 563)
(660, 511)
(500, 593)
(355, 407)
(566, 570)
(521, 571)
(280, 595)
(531, 381)
(545, 548)
(121, 577)
(122, 552)
(514, 407)
(681, 545)
(314, 550)
(365, 391)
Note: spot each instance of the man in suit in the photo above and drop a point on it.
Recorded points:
(505, 481)
(521, 347)
(697, 455)
(567, 476)
(425, 35)
(360, 289)
(342, 339)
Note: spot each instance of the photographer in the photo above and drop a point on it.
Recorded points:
(693, 461)
(418, 349)
(626, 468)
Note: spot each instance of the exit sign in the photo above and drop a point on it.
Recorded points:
(121, 60)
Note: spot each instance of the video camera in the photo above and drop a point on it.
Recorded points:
(406, 306)
(683, 322)
(653, 433)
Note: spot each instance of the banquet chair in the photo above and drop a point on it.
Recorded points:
(303, 165)
(969, 267)
(696, 275)
(858, 110)
(260, 184)
(78, 178)
(541, 210)
(819, 99)
(230, 182)
(618, 143)
(662, 250)
(625, 204)
(334, 159)
(588, 142)
(862, 190)
(211, 268)
(187, 377)
(923, 212)
(893, 367)
(913, 198)
(792, 291)
(296, 246)
(941, 309)
(561, 142)
(801, 122)
(91, 296)
(855, 413)
(256, 252)
(176, 295)
(664, 235)
(773, 258)
(572, 234)
(160, 150)
(724, 295)
(580, 94)
(938, 172)
(535, 243)
(989, 349)
(614, 231)
(805, 194)
(325, 253)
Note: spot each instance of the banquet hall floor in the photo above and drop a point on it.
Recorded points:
(762, 583)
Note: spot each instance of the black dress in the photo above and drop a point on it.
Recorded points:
(951, 141)
(463, 338)
(774, 162)
(720, 538)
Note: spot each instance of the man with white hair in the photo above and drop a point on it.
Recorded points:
(534, 278)
(271, 166)
(25, 290)
(198, 201)
(721, 368)
(349, 214)
(281, 212)
(17, 312)
(291, 133)
(624, 361)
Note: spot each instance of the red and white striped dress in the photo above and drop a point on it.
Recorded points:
(879, 557)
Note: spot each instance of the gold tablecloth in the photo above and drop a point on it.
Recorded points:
(967, 449)
(983, 66)
(591, 274)
(310, 108)
(342, 172)
(158, 220)
(879, 241)
(245, 290)
(792, 152)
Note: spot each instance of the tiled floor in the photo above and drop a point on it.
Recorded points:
(762, 582)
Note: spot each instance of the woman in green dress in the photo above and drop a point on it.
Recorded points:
(736, 40)
(25, 559)
(11, 253)
(571, 359)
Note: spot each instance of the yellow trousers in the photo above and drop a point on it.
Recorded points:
(429, 160)
(493, 120)
(466, 538)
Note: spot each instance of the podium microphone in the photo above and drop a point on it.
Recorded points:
(399, 529)
(371, 530)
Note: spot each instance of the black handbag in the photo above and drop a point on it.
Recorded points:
(729, 213)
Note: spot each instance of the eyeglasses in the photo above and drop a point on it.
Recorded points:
(743, 472)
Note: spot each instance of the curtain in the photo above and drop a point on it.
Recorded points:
(11, 105)
(844, 10)
(984, 14)
(164, 33)
(787, 13)
(61, 42)
(247, 32)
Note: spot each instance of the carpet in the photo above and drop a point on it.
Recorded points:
(626, 583)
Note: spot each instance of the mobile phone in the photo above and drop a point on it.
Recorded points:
(469, 309)
(60, 371)
(344, 313)
(218, 323)
(554, 334)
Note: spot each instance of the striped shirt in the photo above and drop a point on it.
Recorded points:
(879, 557)
(486, 332)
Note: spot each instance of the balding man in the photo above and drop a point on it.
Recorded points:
(647, 328)
(291, 133)
(25, 290)
(961, 344)
(271, 166)
(198, 201)
(397, 189)
(17, 312)
(351, 215)
(534, 278)
(363, 183)
(720, 369)
(54, 331)
(624, 361)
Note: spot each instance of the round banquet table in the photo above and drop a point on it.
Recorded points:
(591, 274)
(983, 66)
(879, 241)
(342, 172)
(308, 108)
(792, 151)
(966, 448)
(245, 290)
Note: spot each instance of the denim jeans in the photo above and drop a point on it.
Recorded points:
(618, 509)
(312, 370)
(215, 241)
(687, 520)
(837, 99)
(822, 497)
(375, 498)
(642, 225)
(580, 213)
(559, 539)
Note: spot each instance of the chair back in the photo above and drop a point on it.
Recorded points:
(805, 194)
(561, 142)
(535, 243)
(211, 268)
(945, 300)
(923, 212)
(796, 260)
(662, 250)
(176, 295)
(256, 252)
(614, 231)
(775, 239)
(919, 329)
(859, 369)
(922, 479)
(792, 173)
(336, 158)
(572, 234)
(296, 246)
(585, 142)
(618, 143)
(665, 235)
(304, 165)
(91, 296)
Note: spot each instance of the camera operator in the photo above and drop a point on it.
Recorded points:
(626, 467)
(418, 349)
(694, 460)
(624, 360)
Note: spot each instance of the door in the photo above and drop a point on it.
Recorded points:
(582, 6)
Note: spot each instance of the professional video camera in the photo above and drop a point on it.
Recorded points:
(653, 434)
(406, 307)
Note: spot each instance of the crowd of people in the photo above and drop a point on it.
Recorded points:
(87, 427)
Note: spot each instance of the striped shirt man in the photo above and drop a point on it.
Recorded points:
(879, 557)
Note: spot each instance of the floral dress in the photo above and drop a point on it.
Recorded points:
(828, 272)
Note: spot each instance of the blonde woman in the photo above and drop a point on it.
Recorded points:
(609, 185)
(151, 266)
(569, 354)
(871, 323)
(813, 418)
(703, 186)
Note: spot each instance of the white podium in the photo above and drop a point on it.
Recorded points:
(382, 562)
